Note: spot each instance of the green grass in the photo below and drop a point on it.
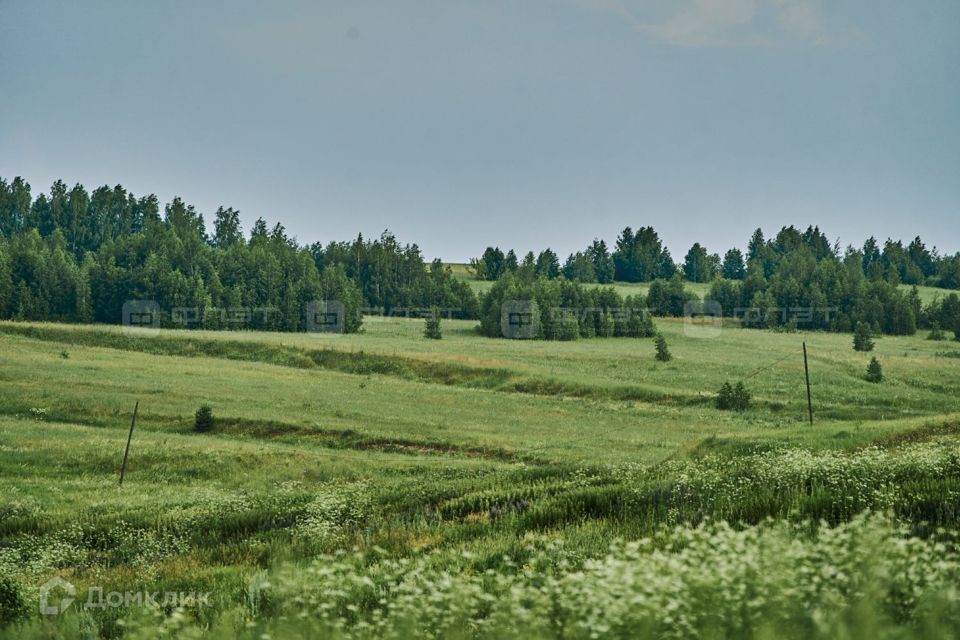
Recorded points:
(453, 458)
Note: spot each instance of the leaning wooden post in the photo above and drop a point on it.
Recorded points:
(133, 423)
(806, 371)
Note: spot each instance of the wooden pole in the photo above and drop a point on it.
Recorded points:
(133, 423)
(806, 371)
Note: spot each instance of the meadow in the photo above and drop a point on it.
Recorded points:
(381, 484)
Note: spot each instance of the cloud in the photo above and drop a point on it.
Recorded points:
(708, 23)
(725, 23)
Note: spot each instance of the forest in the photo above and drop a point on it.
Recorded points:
(76, 256)
(640, 256)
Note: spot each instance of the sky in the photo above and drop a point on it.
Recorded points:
(522, 124)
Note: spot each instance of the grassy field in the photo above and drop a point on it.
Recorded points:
(384, 485)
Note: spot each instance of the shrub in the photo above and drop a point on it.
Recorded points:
(203, 421)
(936, 333)
(607, 325)
(668, 297)
(874, 371)
(597, 311)
(663, 353)
(568, 329)
(789, 327)
(733, 397)
(639, 324)
(13, 602)
(431, 328)
(862, 339)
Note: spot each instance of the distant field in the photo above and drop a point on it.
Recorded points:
(452, 455)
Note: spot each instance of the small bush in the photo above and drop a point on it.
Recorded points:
(862, 338)
(936, 333)
(607, 325)
(788, 327)
(663, 352)
(874, 371)
(13, 601)
(203, 421)
(568, 329)
(431, 327)
(733, 397)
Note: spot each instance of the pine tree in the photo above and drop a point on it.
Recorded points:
(874, 371)
(862, 339)
(510, 263)
(733, 266)
(203, 420)
(548, 264)
(663, 353)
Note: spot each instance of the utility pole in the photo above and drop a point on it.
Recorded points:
(123, 467)
(806, 371)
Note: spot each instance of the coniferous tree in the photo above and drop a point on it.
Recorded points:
(663, 352)
(733, 267)
(756, 246)
(603, 267)
(528, 267)
(698, 266)
(203, 420)
(510, 262)
(579, 267)
(862, 338)
(548, 265)
(874, 371)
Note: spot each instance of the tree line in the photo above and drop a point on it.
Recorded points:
(517, 306)
(795, 280)
(640, 256)
(73, 256)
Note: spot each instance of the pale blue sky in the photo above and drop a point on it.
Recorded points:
(521, 124)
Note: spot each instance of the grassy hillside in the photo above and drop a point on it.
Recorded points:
(381, 484)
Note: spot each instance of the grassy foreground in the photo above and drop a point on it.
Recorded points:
(384, 485)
